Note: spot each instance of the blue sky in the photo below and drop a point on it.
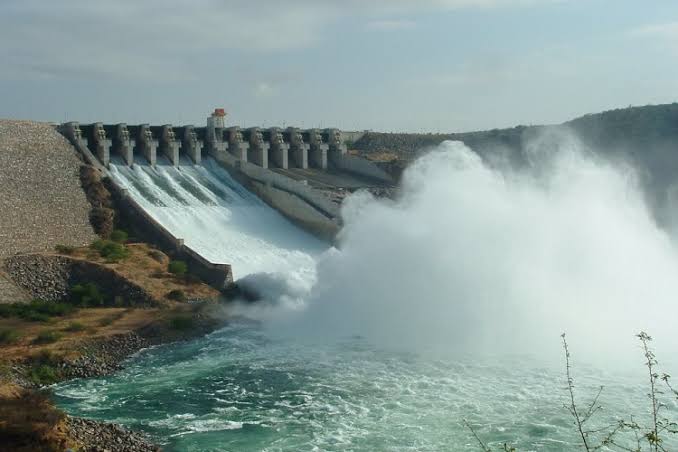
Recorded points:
(392, 65)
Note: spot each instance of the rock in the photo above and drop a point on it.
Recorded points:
(101, 436)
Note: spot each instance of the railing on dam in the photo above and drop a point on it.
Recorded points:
(272, 147)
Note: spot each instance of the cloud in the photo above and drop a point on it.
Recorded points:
(156, 39)
(664, 36)
(149, 39)
(666, 30)
(390, 25)
(264, 89)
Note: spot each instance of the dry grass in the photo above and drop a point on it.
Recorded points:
(147, 267)
(30, 422)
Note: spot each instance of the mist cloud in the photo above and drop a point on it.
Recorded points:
(471, 258)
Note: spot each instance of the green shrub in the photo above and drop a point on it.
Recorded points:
(119, 236)
(64, 249)
(43, 374)
(36, 310)
(181, 323)
(176, 295)
(86, 295)
(6, 310)
(110, 250)
(177, 267)
(74, 327)
(9, 336)
(47, 337)
(33, 316)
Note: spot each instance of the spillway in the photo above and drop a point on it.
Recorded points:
(218, 218)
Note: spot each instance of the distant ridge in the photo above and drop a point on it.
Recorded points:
(623, 127)
(644, 137)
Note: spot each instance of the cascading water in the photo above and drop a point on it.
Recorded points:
(437, 308)
(220, 219)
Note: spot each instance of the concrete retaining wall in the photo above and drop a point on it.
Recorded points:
(296, 210)
(264, 176)
(217, 275)
(303, 205)
(360, 166)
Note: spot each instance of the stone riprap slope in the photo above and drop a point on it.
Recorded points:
(41, 202)
(10, 292)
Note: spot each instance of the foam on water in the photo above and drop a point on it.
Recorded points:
(241, 389)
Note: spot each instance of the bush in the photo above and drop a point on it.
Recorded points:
(110, 250)
(74, 327)
(36, 310)
(176, 295)
(119, 236)
(86, 295)
(64, 249)
(177, 267)
(119, 301)
(181, 323)
(47, 337)
(9, 336)
(43, 374)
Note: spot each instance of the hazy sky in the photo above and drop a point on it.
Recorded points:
(388, 65)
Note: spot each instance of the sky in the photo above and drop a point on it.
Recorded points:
(386, 65)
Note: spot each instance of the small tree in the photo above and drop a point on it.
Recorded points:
(178, 268)
(119, 236)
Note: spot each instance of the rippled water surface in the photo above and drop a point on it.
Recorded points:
(239, 389)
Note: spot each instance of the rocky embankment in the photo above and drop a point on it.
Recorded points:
(49, 277)
(41, 201)
(103, 437)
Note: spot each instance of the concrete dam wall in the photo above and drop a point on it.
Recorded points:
(272, 147)
(184, 186)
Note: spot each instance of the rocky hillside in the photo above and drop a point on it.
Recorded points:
(41, 202)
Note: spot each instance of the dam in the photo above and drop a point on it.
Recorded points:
(224, 197)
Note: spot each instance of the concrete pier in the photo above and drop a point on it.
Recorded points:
(146, 145)
(72, 131)
(190, 145)
(258, 153)
(236, 145)
(279, 150)
(298, 149)
(123, 144)
(289, 148)
(100, 145)
(169, 145)
(318, 149)
(337, 148)
(213, 137)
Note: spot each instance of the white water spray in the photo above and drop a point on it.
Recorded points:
(221, 220)
(470, 258)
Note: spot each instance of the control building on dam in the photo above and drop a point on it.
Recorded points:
(297, 172)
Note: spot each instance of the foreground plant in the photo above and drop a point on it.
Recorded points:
(651, 437)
